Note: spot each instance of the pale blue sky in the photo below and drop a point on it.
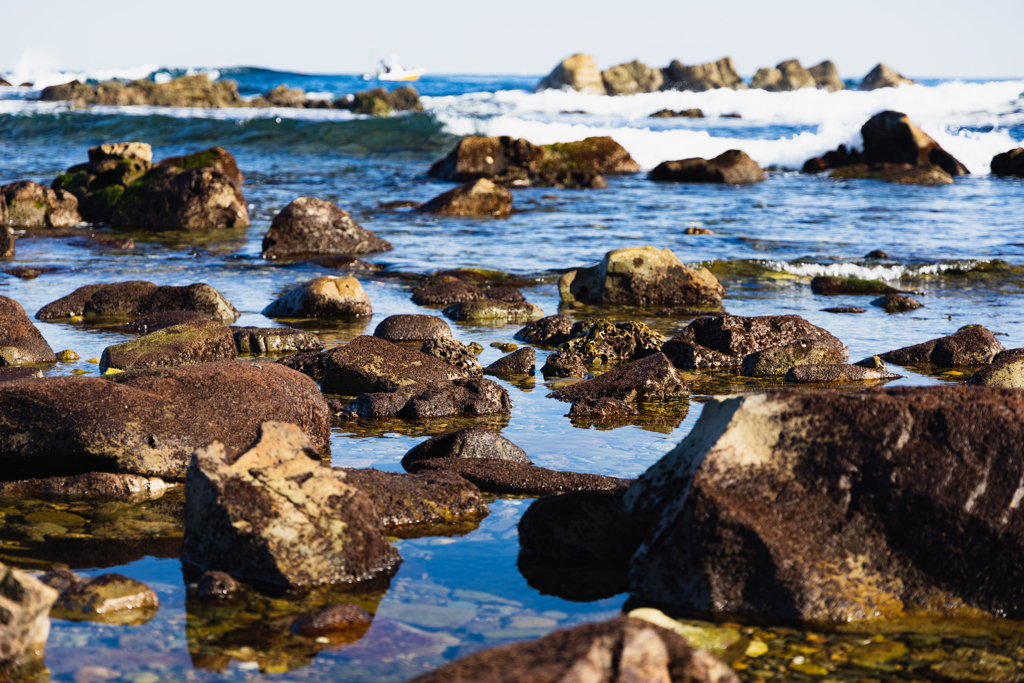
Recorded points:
(936, 39)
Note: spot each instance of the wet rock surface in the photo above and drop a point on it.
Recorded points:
(185, 344)
(778, 360)
(12, 374)
(521, 362)
(20, 340)
(472, 442)
(25, 602)
(368, 364)
(476, 396)
(477, 198)
(400, 328)
(454, 353)
(603, 341)
(264, 340)
(311, 226)
(31, 205)
(730, 168)
(509, 476)
(970, 345)
(1006, 371)
(828, 285)
(650, 379)
(154, 322)
(813, 374)
(136, 298)
(434, 498)
(897, 303)
(564, 364)
(602, 409)
(92, 485)
(489, 309)
(109, 598)
(328, 296)
(275, 514)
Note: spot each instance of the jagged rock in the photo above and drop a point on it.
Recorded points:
(310, 226)
(368, 364)
(521, 362)
(683, 113)
(424, 498)
(472, 442)
(509, 476)
(883, 76)
(94, 485)
(100, 184)
(731, 168)
(837, 158)
(650, 379)
(710, 76)
(970, 345)
(901, 515)
(25, 603)
(136, 298)
(1009, 163)
(108, 598)
(724, 341)
(454, 353)
(328, 296)
(399, 328)
(828, 285)
(275, 514)
(154, 322)
(564, 364)
(897, 303)
(777, 360)
(629, 79)
(20, 340)
(473, 396)
(476, 198)
(578, 72)
(149, 422)
(489, 309)
(890, 137)
(826, 76)
(1006, 371)
(604, 341)
(263, 340)
(31, 205)
(641, 276)
(549, 331)
(184, 91)
(817, 374)
(602, 408)
(786, 76)
(185, 344)
(622, 649)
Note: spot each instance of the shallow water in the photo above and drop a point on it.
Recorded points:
(961, 248)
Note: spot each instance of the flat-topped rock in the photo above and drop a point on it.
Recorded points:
(185, 344)
(653, 378)
(310, 226)
(406, 327)
(778, 360)
(368, 364)
(424, 498)
(823, 374)
(490, 309)
(20, 340)
(970, 345)
(328, 296)
(472, 397)
(549, 331)
(138, 297)
(509, 476)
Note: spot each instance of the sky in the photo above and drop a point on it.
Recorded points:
(940, 39)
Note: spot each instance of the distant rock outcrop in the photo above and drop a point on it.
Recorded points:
(786, 76)
(826, 76)
(701, 77)
(883, 76)
(634, 77)
(578, 72)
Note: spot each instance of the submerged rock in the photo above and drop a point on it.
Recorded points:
(476, 198)
(881, 531)
(25, 603)
(108, 598)
(263, 340)
(828, 285)
(490, 309)
(641, 276)
(368, 364)
(94, 485)
(701, 77)
(138, 297)
(883, 76)
(970, 345)
(333, 621)
(604, 341)
(650, 379)
(31, 205)
(564, 364)
(309, 226)
(474, 396)
(185, 344)
(401, 328)
(327, 296)
(472, 442)
(578, 72)
(148, 422)
(424, 498)
(20, 340)
(897, 303)
(778, 360)
(602, 409)
(731, 168)
(275, 514)
(455, 353)
(629, 79)
(814, 374)
(521, 362)
(1006, 371)
(1009, 163)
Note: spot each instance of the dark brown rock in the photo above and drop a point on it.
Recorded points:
(476, 198)
(25, 602)
(521, 362)
(368, 364)
(20, 341)
(844, 309)
(446, 290)
(508, 476)
(606, 341)
(323, 297)
(108, 598)
(472, 442)
(138, 297)
(31, 205)
(580, 527)
(890, 137)
(928, 175)
(154, 322)
(94, 485)
(309, 363)
(602, 409)
(710, 76)
(475, 397)
(841, 156)
(149, 422)
(897, 303)
(454, 353)
(650, 379)
(731, 168)
(724, 341)
(828, 285)
(564, 364)
(492, 309)
(334, 620)
(883, 76)
(263, 340)
(970, 345)
(7, 246)
(489, 157)
(309, 226)
(185, 344)
(424, 498)
(1009, 163)
(778, 360)
(399, 328)
(275, 514)
(216, 586)
(818, 374)
(13, 374)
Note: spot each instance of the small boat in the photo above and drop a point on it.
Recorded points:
(393, 71)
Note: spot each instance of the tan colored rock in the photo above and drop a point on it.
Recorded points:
(1006, 371)
(328, 296)
(710, 76)
(108, 598)
(578, 72)
(826, 76)
(629, 79)
(121, 150)
(511, 311)
(883, 76)
(478, 198)
(25, 604)
(31, 205)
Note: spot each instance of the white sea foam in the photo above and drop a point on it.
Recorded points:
(875, 272)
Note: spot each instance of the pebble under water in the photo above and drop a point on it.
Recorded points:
(960, 248)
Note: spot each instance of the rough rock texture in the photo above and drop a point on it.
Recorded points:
(185, 91)
(710, 76)
(489, 309)
(731, 168)
(778, 360)
(94, 485)
(549, 331)
(578, 72)
(275, 514)
(154, 322)
(509, 476)
(425, 498)
(1009, 163)
(724, 341)
(446, 290)
(786, 76)
(629, 79)
(602, 409)
(20, 341)
(7, 246)
(476, 198)
(828, 285)
(502, 159)
(149, 422)
(25, 603)
(883, 76)
(368, 364)
(399, 328)
(927, 175)
(641, 276)
(454, 353)
(815, 374)
(1005, 371)
(313, 226)
(261, 340)
(890, 137)
(970, 345)
(474, 396)
(101, 183)
(682, 113)
(332, 621)
(108, 598)
(833, 506)
(11, 374)
(897, 303)
(650, 379)
(328, 296)
(472, 442)
(185, 344)
(521, 362)
(31, 205)
(617, 651)
(605, 341)
(138, 297)
(826, 76)
(564, 364)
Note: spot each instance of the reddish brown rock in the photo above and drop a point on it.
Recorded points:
(494, 310)
(345, 620)
(93, 485)
(509, 476)
(477, 198)
(310, 226)
(815, 374)
(731, 168)
(368, 364)
(31, 205)
(424, 498)
(650, 379)
(473, 397)
(549, 331)
(20, 341)
(138, 297)
(1006, 164)
(185, 344)
(400, 328)
(970, 345)
(154, 322)
(521, 362)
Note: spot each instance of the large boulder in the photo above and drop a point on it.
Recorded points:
(149, 422)
(652, 378)
(477, 198)
(136, 298)
(185, 91)
(786, 76)
(1006, 371)
(405, 328)
(883, 76)
(369, 364)
(890, 137)
(826, 76)
(730, 168)
(642, 276)
(710, 76)
(31, 205)
(475, 397)
(724, 341)
(634, 77)
(309, 226)
(100, 183)
(327, 296)
(1009, 163)
(20, 341)
(25, 605)
(578, 72)
(472, 442)
(970, 345)
(834, 507)
(616, 651)
(185, 344)
(277, 515)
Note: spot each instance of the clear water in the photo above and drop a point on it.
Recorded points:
(960, 247)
